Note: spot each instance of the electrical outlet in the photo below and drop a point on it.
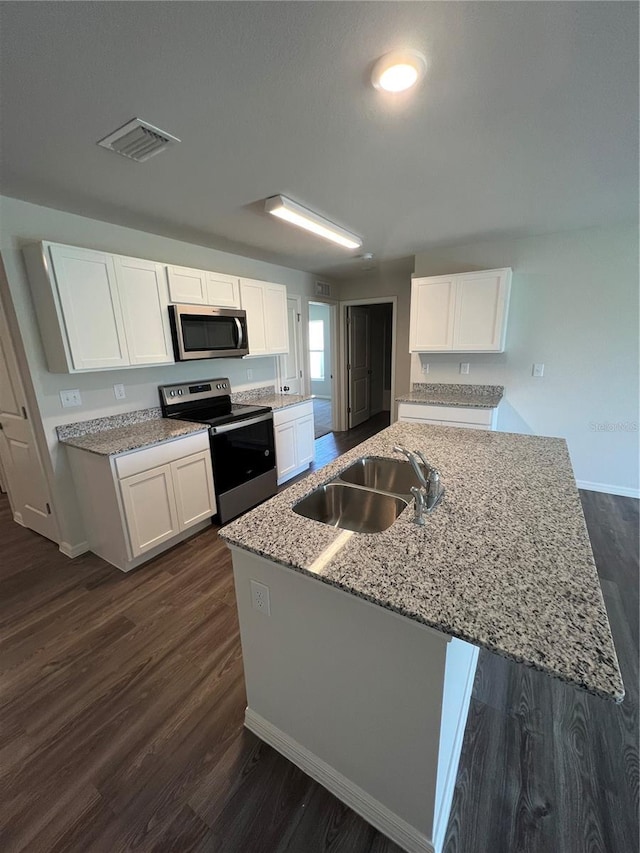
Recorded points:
(425, 367)
(249, 373)
(464, 367)
(538, 370)
(119, 392)
(70, 398)
(260, 598)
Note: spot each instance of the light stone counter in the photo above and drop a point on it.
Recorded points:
(504, 562)
(469, 396)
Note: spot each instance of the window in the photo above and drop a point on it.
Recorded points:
(316, 349)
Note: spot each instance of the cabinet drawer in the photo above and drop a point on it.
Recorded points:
(137, 461)
(292, 413)
(449, 414)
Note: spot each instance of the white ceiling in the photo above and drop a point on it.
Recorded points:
(526, 123)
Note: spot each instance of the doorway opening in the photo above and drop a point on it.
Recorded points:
(321, 345)
(369, 352)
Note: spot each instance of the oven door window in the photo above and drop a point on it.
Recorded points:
(242, 454)
(201, 334)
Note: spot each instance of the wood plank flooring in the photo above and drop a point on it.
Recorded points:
(122, 698)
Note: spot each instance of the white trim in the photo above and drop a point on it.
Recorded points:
(377, 300)
(441, 820)
(73, 550)
(335, 354)
(373, 811)
(17, 517)
(608, 489)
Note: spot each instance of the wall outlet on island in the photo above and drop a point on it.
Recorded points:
(260, 598)
(118, 392)
(249, 373)
(464, 367)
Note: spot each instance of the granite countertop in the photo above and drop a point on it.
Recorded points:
(121, 433)
(504, 562)
(471, 396)
(267, 396)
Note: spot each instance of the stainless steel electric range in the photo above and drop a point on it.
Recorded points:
(241, 439)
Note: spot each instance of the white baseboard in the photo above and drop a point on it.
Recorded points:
(373, 811)
(73, 550)
(17, 517)
(608, 489)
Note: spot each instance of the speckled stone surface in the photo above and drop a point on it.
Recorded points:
(111, 422)
(135, 436)
(267, 396)
(471, 396)
(504, 562)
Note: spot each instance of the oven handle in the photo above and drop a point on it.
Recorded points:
(239, 424)
(240, 333)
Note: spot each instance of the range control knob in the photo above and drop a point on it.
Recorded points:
(180, 392)
(172, 393)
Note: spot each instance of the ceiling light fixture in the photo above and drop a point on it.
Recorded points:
(398, 70)
(296, 214)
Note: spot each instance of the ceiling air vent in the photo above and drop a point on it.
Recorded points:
(323, 288)
(138, 140)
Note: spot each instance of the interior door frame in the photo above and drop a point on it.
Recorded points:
(335, 353)
(341, 415)
(16, 346)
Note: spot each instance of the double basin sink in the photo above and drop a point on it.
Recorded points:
(367, 497)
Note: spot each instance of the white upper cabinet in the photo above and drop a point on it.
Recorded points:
(460, 313)
(432, 314)
(267, 320)
(89, 301)
(143, 296)
(187, 285)
(98, 311)
(201, 287)
(223, 290)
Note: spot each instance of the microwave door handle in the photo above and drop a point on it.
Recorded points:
(240, 332)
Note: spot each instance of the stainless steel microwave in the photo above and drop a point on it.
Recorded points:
(203, 331)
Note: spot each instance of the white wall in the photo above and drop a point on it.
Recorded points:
(318, 311)
(21, 223)
(574, 307)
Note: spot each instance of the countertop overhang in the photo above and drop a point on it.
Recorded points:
(505, 561)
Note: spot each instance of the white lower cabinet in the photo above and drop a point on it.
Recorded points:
(294, 436)
(457, 416)
(136, 504)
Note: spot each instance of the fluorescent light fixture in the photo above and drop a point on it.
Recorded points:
(296, 214)
(399, 70)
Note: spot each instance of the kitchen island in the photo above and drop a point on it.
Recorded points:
(362, 669)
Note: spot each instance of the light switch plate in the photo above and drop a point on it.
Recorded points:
(70, 398)
(249, 373)
(464, 367)
(425, 367)
(538, 370)
(119, 393)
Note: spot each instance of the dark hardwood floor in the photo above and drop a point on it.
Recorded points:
(122, 700)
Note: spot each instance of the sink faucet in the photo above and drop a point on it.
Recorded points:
(431, 490)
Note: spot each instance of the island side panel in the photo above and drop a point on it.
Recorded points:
(357, 686)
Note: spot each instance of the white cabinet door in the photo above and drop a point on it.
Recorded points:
(193, 487)
(481, 303)
(223, 290)
(252, 300)
(149, 508)
(276, 320)
(88, 292)
(187, 285)
(432, 314)
(286, 456)
(143, 295)
(305, 438)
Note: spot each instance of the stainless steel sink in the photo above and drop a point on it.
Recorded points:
(351, 508)
(385, 475)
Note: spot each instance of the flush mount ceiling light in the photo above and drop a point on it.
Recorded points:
(398, 70)
(296, 214)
